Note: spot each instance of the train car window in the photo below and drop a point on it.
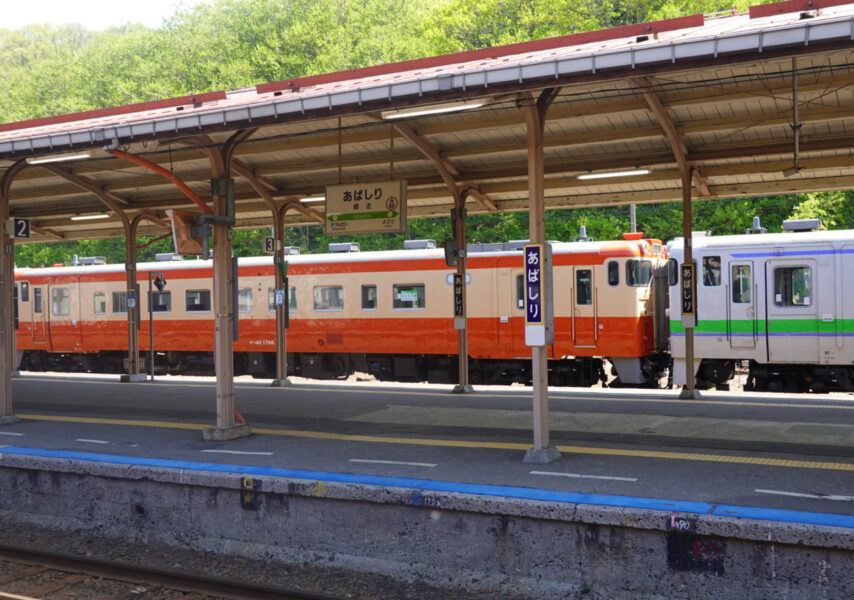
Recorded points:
(672, 272)
(369, 297)
(292, 299)
(583, 287)
(520, 292)
(25, 291)
(37, 300)
(244, 300)
(198, 300)
(613, 272)
(741, 284)
(792, 286)
(638, 272)
(328, 297)
(409, 296)
(60, 302)
(120, 302)
(711, 271)
(161, 301)
(100, 303)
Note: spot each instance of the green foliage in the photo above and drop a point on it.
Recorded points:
(835, 209)
(232, 44)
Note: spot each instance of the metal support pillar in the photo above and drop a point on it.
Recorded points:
(281, 379)
(7, 319)
(535, 117)
(224, 278)
(134, 364)
(8, 359)
(461, 323)
(689, 392)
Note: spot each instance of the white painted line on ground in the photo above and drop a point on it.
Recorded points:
(84, 440)
(11, 433)
(239, 452)
(392, 462)
(813, 496)
(580, 476)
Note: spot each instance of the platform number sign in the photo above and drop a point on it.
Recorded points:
(269, 245)
(533, 284)
(18, 228)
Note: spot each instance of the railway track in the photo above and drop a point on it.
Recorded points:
(35, 575)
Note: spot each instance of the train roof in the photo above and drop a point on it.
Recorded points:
(705, 241)
(629, 247)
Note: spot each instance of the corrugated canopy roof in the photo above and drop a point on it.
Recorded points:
(717, 92)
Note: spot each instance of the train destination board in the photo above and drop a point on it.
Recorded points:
(378, 207)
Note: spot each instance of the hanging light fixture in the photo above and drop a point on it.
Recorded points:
(607, 174)
(50, 158)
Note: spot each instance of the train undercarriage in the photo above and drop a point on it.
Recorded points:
(568, 371)
(788, 378)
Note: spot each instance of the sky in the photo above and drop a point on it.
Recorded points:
(92, 14)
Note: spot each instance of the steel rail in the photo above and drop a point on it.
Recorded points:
(213, 586)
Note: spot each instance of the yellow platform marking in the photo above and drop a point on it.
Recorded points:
(844, 404)
(320, 435)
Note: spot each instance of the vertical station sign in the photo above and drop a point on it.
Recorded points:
(538, 295)
(378, 207)
(688, 295)
(459, 300)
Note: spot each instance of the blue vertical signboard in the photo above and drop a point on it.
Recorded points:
(538, 295)
(533, 284)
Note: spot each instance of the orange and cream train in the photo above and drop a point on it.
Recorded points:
(387, 313)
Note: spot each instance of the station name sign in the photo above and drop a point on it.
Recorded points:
(688, 295)
(378, 207)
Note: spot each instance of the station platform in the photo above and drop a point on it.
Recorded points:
(744, 467)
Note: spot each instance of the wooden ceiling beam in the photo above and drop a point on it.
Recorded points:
(445, 167)
(673, 136)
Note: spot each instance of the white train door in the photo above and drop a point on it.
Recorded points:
(742, 320)
(39, 316)
(792, 309)
(583, 307)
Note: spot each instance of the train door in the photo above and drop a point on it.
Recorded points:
(742, 322)
(518, 314)
(583, 307)
(63, 318)
(792, 311)
(38, 316)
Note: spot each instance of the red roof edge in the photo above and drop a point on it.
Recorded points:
(779, 8)
(194, 99)
(488, 53)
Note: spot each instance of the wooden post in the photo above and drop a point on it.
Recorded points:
(134, 370)
(463, 386)
(688, 392)
(279, 258)
(535, 117)
(8, 361)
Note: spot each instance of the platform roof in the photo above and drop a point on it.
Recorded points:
(712, 92)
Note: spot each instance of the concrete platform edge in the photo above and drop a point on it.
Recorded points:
(417, 493)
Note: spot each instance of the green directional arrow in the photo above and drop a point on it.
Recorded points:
(380, 214)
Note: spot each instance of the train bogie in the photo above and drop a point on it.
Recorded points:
(780, 304)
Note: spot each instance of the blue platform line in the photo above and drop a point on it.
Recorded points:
(420, 485)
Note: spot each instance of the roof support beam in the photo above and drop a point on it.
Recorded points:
(446, 168)
(676, 143)
(48, 232)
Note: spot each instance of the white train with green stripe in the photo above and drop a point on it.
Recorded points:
(781, 303)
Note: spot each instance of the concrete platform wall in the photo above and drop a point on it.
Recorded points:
(507, 548)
